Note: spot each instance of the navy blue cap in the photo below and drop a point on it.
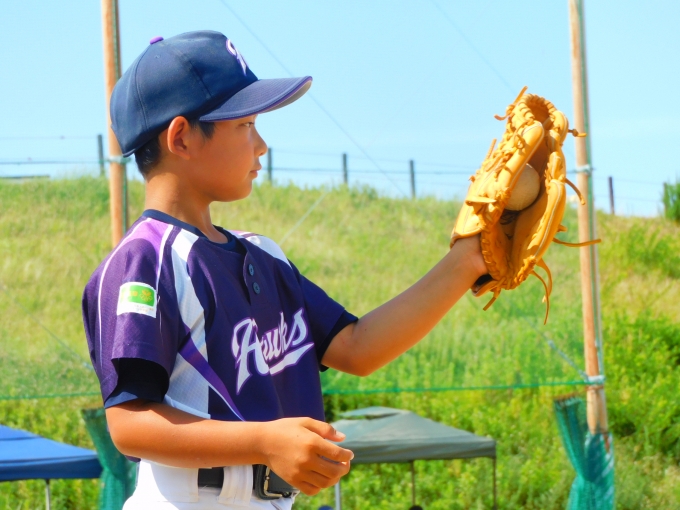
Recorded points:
(195, 75)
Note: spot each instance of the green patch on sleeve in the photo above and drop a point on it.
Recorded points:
(136, 297)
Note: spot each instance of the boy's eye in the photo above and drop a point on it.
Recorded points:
(249, 124)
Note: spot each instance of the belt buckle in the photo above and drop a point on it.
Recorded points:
(261, 482)
(265, 486)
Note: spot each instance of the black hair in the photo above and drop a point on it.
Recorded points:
(149, 154)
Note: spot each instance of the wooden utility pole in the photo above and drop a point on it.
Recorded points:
(412, 172)
(592, 326)
(611, 195)
(117, 170)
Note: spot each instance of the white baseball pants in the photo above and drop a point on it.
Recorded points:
(162, 487)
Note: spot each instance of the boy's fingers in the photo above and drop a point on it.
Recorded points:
(320, 480)
(334, 453)
(309, 489)
(325, 430)
(331, 469)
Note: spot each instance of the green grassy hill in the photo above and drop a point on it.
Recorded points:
(363, 249)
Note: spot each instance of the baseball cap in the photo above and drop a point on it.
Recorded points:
(196, 75)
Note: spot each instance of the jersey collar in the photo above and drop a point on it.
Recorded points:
(171, 220)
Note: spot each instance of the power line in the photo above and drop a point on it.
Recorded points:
(364, 171)
(30, 161)
(333, 155)
(311, 96)
(632, 181)
(53, 137)
(85, 363)
(630, 199)
(473, 47)
(303, 218)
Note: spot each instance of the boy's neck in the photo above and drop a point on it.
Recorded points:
(166, 193)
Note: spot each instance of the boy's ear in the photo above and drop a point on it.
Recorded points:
(178, 137)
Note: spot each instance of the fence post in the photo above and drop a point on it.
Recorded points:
(345, 176)
(100, 148)
(270, 168)
(413, 179)
(611, 195)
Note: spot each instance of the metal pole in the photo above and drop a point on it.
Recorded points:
(338, 496)
(611, 195)
(592, 326)
(100, 153)
(345, 174)
(413, 179)
(495, 488)
(270, 168)
(117, 170)
(413, 484)
(48, 497)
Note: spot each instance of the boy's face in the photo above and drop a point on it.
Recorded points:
(226, 165)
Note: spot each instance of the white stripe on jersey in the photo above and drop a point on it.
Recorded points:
(166, 234)
(188, 388)
(101, 284)
(264, 243)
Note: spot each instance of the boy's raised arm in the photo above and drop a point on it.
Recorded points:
(391, 329)
(297, 449)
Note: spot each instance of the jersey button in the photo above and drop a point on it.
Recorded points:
(251, 269)
(256, 288)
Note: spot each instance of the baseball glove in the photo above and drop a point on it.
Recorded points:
(517, 228)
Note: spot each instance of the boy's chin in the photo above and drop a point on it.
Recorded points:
(240, 195)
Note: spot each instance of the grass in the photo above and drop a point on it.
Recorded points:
(363, 249)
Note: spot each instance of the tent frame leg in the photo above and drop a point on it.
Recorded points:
(48, 497)
(338, 496)
(495, 490)
(413, 483)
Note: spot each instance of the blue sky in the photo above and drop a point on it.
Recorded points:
(403, 80)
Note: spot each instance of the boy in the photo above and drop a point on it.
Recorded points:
(208, 342)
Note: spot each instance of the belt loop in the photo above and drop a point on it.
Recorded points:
(237, 488)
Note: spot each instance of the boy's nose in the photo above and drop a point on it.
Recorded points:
(261, 146)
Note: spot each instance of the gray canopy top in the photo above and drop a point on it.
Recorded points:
(383, 434)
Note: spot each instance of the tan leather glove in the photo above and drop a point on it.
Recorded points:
(517, 197)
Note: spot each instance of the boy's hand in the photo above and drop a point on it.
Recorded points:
(299, 451)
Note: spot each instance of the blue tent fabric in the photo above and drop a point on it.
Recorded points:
(26, 456)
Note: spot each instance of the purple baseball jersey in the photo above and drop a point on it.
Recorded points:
(239, 332)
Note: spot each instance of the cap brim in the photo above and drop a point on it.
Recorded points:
(259, 97)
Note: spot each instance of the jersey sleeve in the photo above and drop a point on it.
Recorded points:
(326, 316)
(130, 311)
(138, 379)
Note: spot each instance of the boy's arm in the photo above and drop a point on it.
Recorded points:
(292, 447)
(391, 329)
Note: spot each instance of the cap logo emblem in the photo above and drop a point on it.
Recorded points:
(238, 55)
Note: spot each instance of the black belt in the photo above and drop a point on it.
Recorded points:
(266, 483)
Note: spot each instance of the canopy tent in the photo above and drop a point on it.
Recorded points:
(26, 456)
(383, 434)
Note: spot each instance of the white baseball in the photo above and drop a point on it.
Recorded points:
(526, 190)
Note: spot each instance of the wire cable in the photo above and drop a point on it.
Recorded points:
(58, 137)
(473, 47)
(30, 161)
(311, 96)
(303, 217)
(457, 388)
(84, 363)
